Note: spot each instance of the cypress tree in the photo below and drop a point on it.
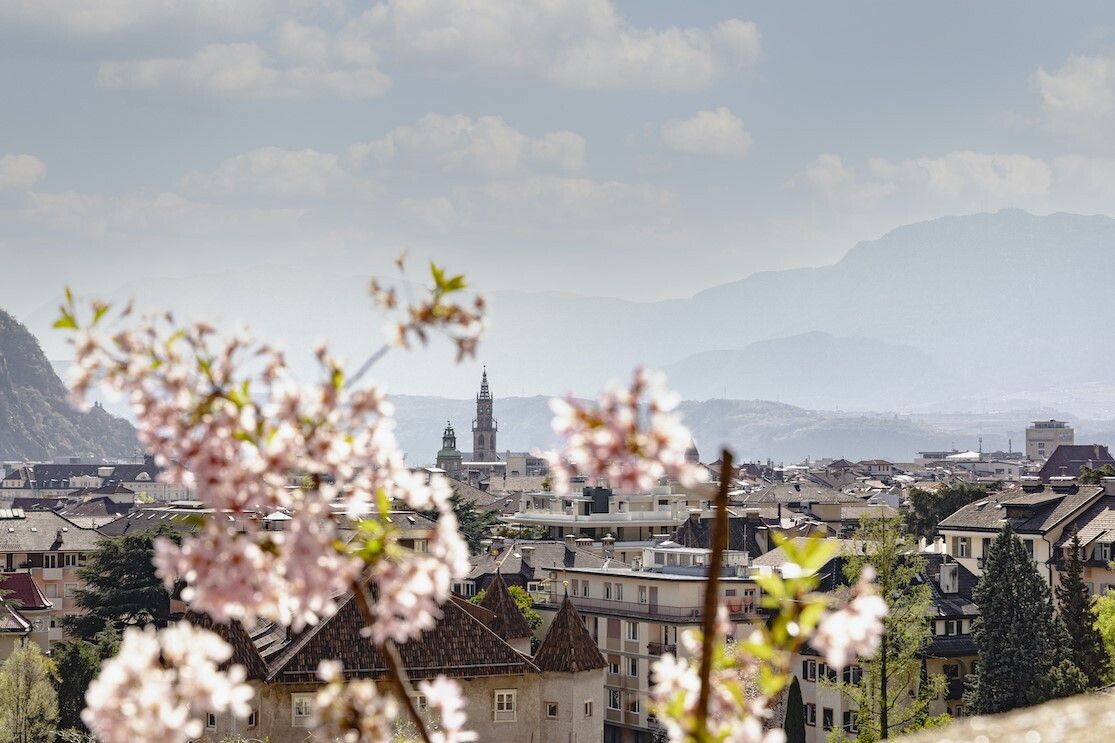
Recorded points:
(794, 726)
(1086, 648)
(1022, 645)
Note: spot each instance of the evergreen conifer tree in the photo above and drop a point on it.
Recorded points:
(794, 726)
(120, 586)
(1023, 648)
(1074, 605)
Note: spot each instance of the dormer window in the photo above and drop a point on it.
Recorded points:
(1103, 551)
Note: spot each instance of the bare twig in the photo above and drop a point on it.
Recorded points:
(718, 543)
(368, 364)
(395, 673)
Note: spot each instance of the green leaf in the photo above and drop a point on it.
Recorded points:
(65, 321)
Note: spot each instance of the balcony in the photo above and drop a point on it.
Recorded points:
(544, 517)
(658, 648)
(739, 609)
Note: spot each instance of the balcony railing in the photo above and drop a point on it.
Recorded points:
(658, 648)
(737, 607)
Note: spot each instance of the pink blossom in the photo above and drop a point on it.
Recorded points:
(630, 441)
(161, 683)
(854, 630)
(352, 711)
(444, 697)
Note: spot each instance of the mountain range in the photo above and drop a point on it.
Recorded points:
(37, 420)
(957, 313)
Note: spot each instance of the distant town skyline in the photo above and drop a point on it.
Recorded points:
(581, 146)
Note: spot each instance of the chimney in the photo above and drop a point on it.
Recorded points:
(570, 540)
(528, 555)
(950, 577)
(608, 545)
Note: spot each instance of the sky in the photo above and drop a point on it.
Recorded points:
(642, 150)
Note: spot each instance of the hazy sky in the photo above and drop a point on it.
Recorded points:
(636, 149)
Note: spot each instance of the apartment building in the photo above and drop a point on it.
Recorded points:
(62, 478)
(50, 548)
(598, 512)
(951, 652)
(1038, 513)
(637, 614)
(1042, 437)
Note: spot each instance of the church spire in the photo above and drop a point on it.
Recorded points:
(485, 394)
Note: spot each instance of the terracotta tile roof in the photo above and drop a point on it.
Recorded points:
(568, 646)
(510, 624)
(244, 650)
(23, 591)
(459, 646)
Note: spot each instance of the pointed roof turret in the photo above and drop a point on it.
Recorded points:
(568, 646)
(510, 624)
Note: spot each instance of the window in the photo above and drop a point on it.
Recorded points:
(850, 721)
(642, 594)
(963, 547)
(51, 590)
(950, 627)
(619, 592)
(1029, 545)
(465, 588)
(301, 709)
(853, 674)
(613, 698)
(986, 547)
(535, 586)
(633, 667)
(1103, 551)
(633, 705)
(50, 560)
(952, 670)
(551, 710)
(826, 718)
(613, 665)
(809, 670)
(810, 714)
(421, 702)
(585, 588)
(69, 559)
(504, 706)
(608, 591)
(253, 718)
(68, 589)
(588, 708)
(633, 631)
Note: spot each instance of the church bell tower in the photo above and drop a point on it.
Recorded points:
(484, 427)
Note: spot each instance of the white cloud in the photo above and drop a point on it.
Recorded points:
(718, 132)
(958, 177)
(248, 69)
(275, 172)
(20, 171)
(1079, 98)
(487, 145)
(439, 212)
(574, 43)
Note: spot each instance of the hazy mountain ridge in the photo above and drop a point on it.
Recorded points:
(997, 304)
(36, 418)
